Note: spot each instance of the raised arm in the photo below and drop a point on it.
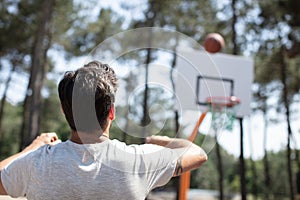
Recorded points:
(45, 138)
(192, 156)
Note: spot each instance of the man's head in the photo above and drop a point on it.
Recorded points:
(87, 96)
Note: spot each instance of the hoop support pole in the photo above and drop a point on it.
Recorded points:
(184, 182)
(195, 130)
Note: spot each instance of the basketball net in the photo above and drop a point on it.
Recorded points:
(223, 111)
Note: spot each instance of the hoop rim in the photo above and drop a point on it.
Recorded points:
(223, 101)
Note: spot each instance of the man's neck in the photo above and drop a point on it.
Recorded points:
(88, 138)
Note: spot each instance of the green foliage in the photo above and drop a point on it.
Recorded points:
(277, 16)
(192, 18)
(275, 66)
(207, 176)
(9, 143)
(18, 23)
(279, 167)
(83, 37)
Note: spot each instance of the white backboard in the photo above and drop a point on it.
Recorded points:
(227, 75)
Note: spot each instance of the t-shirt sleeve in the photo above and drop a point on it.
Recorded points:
(161, 175)
(160, 165)
(155, 165)
(15, 177)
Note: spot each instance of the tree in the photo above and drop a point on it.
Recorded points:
(11, 127)
(15, 37)
(261, 95)
(87, 32)
(280, 18)
(130, 82)
(33, 100)
(46, 36)
(277, 62)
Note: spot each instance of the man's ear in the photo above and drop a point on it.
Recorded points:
(62, 110)
(112, 112)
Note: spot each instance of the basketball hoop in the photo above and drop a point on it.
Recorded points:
(223, 110)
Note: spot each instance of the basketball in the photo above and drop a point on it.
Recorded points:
(214, 42)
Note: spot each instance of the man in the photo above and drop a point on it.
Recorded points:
(90, 165)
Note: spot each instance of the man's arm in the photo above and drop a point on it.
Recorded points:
(2, 190)
(45, 138)
(192, 156)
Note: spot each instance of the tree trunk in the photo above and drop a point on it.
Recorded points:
(254, 174)
(254, 186)
(128, 89)
(33, 99)
(176, 114)
(220, 167)
(235, 52)
(125, 131)
(233, 29)
(267, 181)
(298, 168)
(289, 130)
(146, 118)
(290, 171)
(173, 64)
(177, 178)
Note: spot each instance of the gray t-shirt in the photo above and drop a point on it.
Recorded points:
(108, 170)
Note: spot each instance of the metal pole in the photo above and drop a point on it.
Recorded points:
(242, 162)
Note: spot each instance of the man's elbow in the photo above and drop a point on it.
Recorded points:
(202, 158)
(2, 190)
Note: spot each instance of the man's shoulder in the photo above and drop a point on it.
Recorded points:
(137, 148)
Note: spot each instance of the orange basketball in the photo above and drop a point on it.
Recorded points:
(214, 42)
